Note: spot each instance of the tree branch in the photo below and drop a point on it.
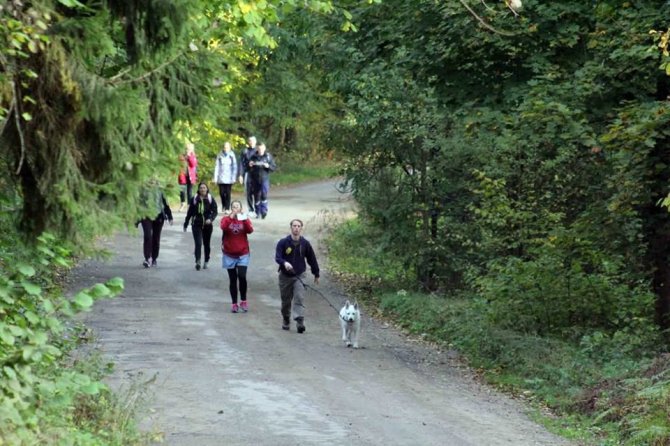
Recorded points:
(483, 23)
(145, 75)
(17, 120)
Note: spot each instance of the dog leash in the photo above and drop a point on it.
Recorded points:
(318, 292)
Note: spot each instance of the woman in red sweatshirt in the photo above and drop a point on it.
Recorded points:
(235, 247)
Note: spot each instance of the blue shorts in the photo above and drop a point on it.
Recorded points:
(231, 262)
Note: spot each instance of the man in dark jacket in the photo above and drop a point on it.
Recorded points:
(202, 209)
(260, 166)
(292, 254)
(243, 171)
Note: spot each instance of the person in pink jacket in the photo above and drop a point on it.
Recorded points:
(191, 170)
(235, 247)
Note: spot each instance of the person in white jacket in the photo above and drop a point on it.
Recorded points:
(225, 173)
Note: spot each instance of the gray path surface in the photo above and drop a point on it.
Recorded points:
(238, 379)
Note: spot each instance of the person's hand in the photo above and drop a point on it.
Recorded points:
(240, 179)
(288, 266)
(170, 221)
(316, 281)
(208, 222)
(266, 165)
(251, 164)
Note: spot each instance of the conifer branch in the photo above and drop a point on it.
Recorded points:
(145, 75)
(17, 120)
(483, 23)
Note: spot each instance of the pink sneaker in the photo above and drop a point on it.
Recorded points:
(234, 308)
(243, 306)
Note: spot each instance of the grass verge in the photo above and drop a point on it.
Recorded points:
(595, 391)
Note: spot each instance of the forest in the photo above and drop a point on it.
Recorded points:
(510, 161)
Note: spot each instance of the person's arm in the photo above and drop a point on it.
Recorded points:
(233, 165)
(279, 253)
(189, 213)
(248, 227)
(271, 163)
(213, 210)
(216, 170)
(166, 208)
(311, 260)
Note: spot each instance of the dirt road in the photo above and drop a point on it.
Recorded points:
(238, 379)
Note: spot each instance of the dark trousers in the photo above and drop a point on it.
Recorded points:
(239, 273)
(249, 192)
(202, 235)
(224, 191)
(182, 193)
(152, 237)
(189, 192)
(261, 188)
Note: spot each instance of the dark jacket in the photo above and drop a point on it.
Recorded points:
(200, 210)
(296, 254)
(245, 157)
(258, 172)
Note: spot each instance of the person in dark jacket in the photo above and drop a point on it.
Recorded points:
(243, 172)
(292, 254)
(260, 166)
(153, 200)
(202, 209)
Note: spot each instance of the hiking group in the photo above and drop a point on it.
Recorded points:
(292, 255)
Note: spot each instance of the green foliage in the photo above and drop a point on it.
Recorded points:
(40, 397)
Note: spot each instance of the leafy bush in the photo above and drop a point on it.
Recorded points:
(41, 394)
(565, 288)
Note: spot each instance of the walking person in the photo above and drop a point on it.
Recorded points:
(225, 174)
(235, 247)
(243, 172)
(292, 254)
(153, 200)
(260, 165)
(202, 209)
(191, 167)
(181, 180)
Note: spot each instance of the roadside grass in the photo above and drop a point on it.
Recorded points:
(294, 171)
(594, 392)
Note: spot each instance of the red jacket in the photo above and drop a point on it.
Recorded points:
(192, 164)
(235, 242)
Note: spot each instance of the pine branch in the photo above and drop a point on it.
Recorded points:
(484, 24)
(17, 119)
(145, 75)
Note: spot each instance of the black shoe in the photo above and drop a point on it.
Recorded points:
(300, 326)
(197, 266)
(154, 263)
(286, 323)
(146, 264)
(263, 216)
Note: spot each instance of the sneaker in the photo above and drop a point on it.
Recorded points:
(154, 263)
(204, 266)
(300, 326)
(263, 216)
(146, 264)
(197, 266)
(244, 306)
(234, 308)
(286, 323)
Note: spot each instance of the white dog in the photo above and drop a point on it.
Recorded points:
(350, 320)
